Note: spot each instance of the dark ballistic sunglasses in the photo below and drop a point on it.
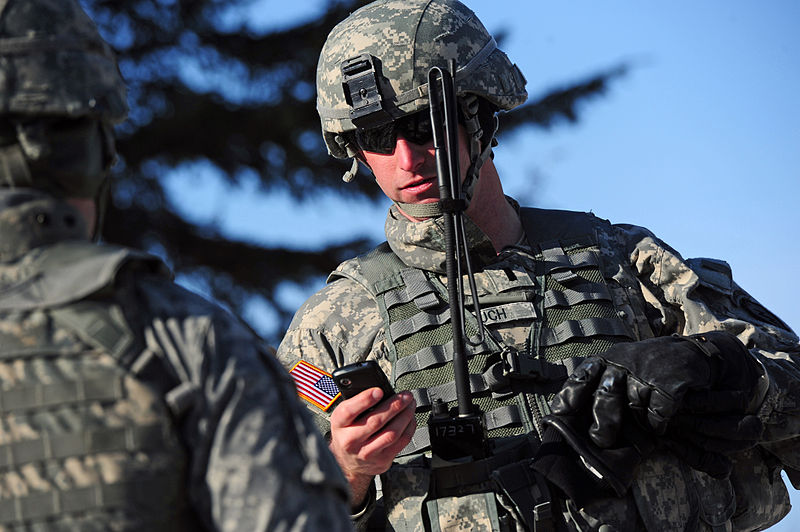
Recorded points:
(415, 128)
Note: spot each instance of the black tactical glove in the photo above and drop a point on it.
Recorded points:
(577, 465)
(696, 393)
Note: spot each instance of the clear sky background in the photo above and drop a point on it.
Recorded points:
(700, 141)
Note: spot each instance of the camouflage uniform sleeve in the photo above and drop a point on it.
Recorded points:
(338, 325)
(688, 296)
(257, 462)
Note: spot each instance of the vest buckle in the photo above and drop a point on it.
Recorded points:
(519, 366)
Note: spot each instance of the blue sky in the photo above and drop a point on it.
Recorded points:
(700, 141)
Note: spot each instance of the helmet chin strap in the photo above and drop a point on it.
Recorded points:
(468, 106)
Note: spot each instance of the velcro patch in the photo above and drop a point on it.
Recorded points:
(508, 312)
(314, 385)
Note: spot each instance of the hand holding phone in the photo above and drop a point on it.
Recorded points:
(353, 379)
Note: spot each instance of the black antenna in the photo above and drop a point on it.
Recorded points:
(463, 435)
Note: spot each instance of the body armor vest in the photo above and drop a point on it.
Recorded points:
(564, 305)
(542, 320)
(86, 443)
(545, 318)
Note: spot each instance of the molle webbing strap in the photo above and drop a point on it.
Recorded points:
(561, 266)
(502, 417)
(419, 349)
(417, 289)
(584, 328)
(497, 418)
(27, 352)
(420, 321)
(492, 378)
(568, 298)
(431, 356)
(84, 443)
(49, 504)
(579, 316)
(488, 300)
(49, 395)
(419, 442)
(101, 326)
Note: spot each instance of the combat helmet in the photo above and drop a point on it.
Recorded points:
(60, 91)
(374, 67)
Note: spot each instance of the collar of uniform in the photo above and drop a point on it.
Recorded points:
(30, 218)
(421, 244)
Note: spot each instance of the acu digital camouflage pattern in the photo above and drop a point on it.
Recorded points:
(60, 91)
(408, 37)
(128, 403)
(655, 292)
(53, 62)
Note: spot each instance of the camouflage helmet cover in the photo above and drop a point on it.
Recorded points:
(54, 62)
(406, 38)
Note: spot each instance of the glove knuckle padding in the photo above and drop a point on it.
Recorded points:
(578, 390)
(608, 408)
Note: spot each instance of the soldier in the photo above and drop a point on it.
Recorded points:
(126, 402)
(697, 384)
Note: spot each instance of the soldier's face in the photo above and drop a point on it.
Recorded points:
(408, 174)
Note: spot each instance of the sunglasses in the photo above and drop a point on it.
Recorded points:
(415, 128)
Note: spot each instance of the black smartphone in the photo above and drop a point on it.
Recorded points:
(353, 379)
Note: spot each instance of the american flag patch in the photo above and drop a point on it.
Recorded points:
(314, 385)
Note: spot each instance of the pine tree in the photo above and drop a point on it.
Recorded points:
(250, 111)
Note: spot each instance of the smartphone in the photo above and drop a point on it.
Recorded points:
(353, 379)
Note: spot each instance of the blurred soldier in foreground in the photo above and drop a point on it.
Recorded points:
(126, 402)
(622, 387)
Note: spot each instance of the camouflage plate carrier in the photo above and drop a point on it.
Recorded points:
(86, 435)
(571, 315)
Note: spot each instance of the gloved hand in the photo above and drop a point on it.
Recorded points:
(695, 392)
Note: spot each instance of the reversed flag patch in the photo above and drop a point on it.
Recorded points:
(314, 385)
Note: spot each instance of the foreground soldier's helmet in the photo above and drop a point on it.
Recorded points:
(60, 90)
(374, 65)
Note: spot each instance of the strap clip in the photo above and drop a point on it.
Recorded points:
(517, 366)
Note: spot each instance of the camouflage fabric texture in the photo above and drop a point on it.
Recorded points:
(655, 292)
(129, 403)
(408, 37)
(53, 62)
(60, 93)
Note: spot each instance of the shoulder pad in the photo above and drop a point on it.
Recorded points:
(70, 271)
(543, 225)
